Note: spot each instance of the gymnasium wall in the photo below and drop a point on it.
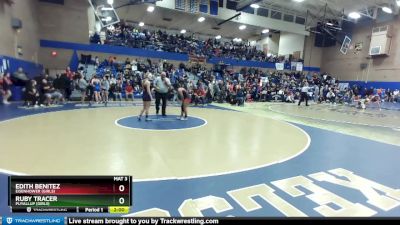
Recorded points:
(290, 43)
(64, 22)
(380, 69)
(27, 37)
(271, 43)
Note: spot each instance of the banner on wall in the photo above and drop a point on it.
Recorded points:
(299, 66)
(293, 66)
(296, 66)
(343, 86)
(279, 66)
(4, 65)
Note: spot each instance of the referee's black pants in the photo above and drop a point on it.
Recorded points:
(303, 97)
(161, 97)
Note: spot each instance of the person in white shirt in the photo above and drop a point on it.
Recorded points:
(316, 93)
(396, 95)
(331, 96)
(134, 66)
(304, 94)
(162, 85)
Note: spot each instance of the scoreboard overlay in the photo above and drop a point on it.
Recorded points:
(90, 194)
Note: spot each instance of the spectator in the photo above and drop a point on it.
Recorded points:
(66, 84)
(5, 87)
(51, 95)
(396, 95)
(331, 96)
(69, 73)
(240, 95)
(58, 84)
(118, 90)
(96, 62)
(129, 91)
(95, 39)
(20, 78)
(32, 94)
(82, 86)
(105, 88)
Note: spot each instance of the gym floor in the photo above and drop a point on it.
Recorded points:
(263, 159)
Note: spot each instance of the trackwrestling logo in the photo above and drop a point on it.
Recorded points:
(33, 220)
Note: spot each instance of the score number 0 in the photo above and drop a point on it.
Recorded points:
(121, 200)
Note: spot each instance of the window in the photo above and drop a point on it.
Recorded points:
(276, 15)
(180, 4)
(288, 18)
(262, 12)
(248, 9)
(231, 4)
(300, 20)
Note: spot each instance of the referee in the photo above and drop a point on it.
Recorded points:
(162, 85)
(304, 94)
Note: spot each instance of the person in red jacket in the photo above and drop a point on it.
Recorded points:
(69, 73)
(5, 87)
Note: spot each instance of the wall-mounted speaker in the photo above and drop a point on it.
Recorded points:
(363, 66)
(16, 23)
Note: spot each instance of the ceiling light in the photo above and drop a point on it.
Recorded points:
(107, 9)
(141, 24)
(265, 31)
(254, 6)
(242, 27)
(237, 39)
(398, 2)
(354, 15)
(183, 31)
(218, 37)
(150, 8)
(329, 24)
(110, 2)
(201, 19)
(387, 10)
(298, 0)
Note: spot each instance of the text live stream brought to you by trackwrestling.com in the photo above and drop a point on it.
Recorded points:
(50, 220)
